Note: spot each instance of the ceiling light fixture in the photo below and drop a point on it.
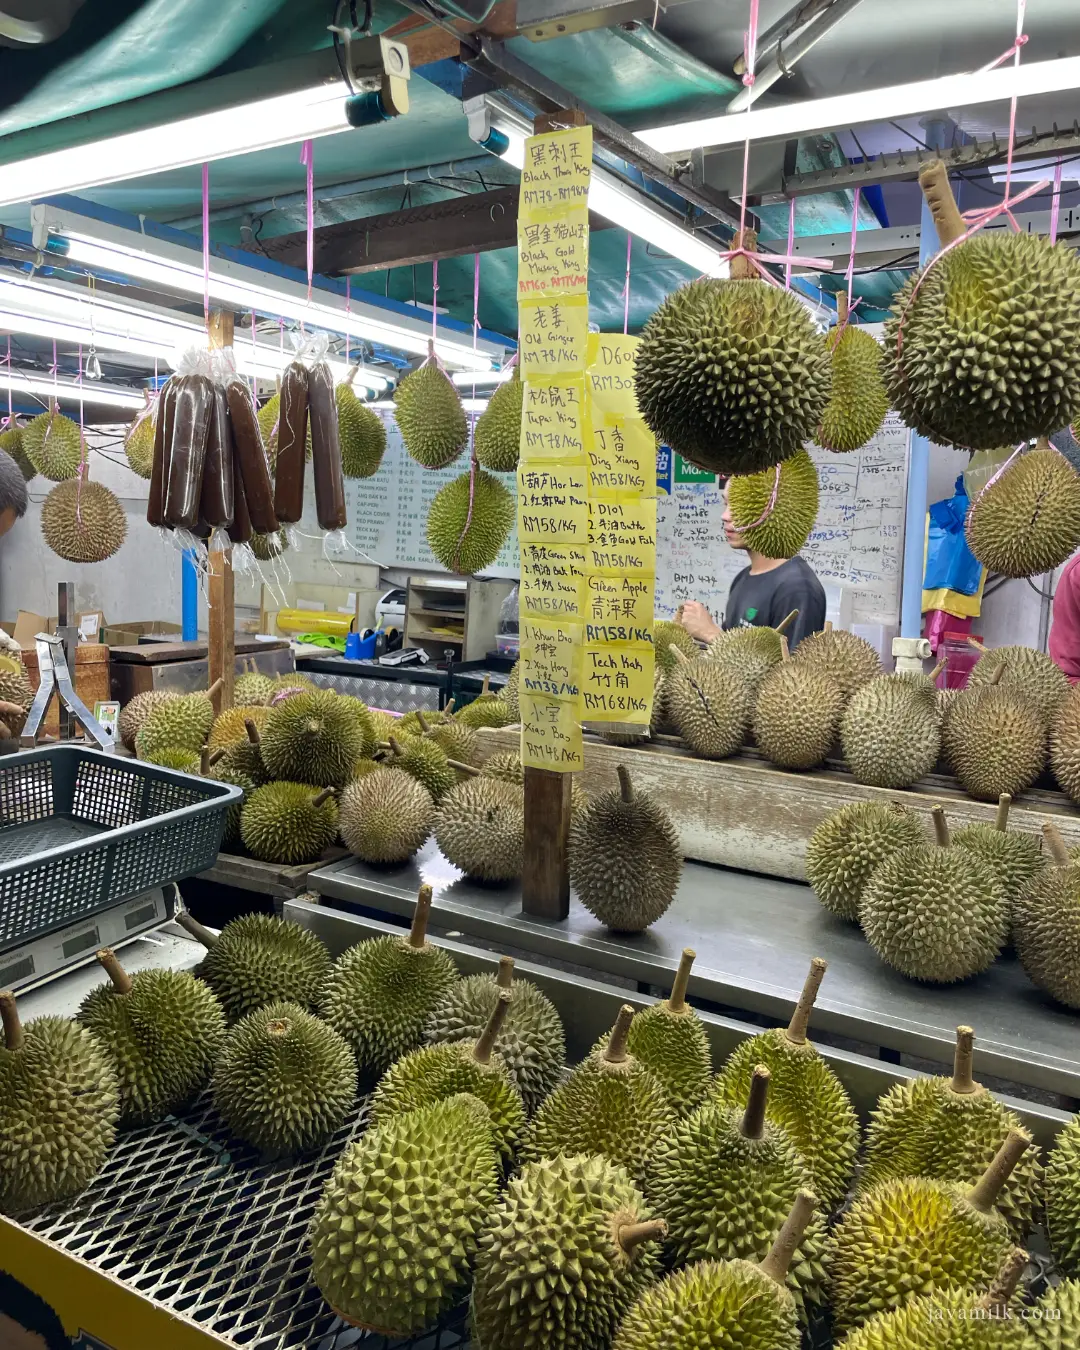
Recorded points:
(67, 391)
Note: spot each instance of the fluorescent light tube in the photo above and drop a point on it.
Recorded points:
(465, 379)
(90, 391)
(870, 105)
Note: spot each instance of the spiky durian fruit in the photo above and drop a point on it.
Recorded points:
(723, 1305)
(797, 715)
(935, 912)
(732, 374)
(181, 723)
(750, 652)
(170, 757)
(11, 443)
(847, 660)
(231, 834)
(381, 992)
(711, 705)
(135, 712)
(1065, 744)
(59, 1104)
(385, 816)
(289, 822)
(949, 1129)
(891, 730)
(423, 760)
(531, 1042)
(1046, 924)
(430, 417)
(806, 1099)
(611, 1104)
(1030, 672)
(774, 511)
(284, 1081)
(657, 717)
(1063, 1198)
(498, 429)
(435, 1072)
(269, 417)
(669, 1039)
(162, 1029)
(668, 633)
(256, 960)
(569, 1249)
(139, 445)
(624, 857)
(230, 726)
(456, 739)
(512, 686)
(848, 845)
(82, 521)
(395, 1232)
(1028, 521)
(253, 690)
(53, 445)
(1015, 858)
(480, 827)
(858, 404)
(1055, 1323)
(267, 547)
(361, 433)
(915, 1237)
(983, 346)
(316, 737)
(487, 710)
(467, 544)
(725, 1179)
(995, 740)
(244, 757)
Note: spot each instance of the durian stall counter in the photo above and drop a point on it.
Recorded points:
(753, 936)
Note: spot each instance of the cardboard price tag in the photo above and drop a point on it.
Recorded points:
(617, 682)
(553, 335)
(623, 601)
(556, 173)
(550, 733)
(553, 504)
(553, 255)
(622, 537)
(552, 580)
(622, 458)
(553, 418)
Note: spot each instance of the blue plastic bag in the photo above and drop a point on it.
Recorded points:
(950, 564)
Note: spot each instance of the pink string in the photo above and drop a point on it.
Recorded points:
(851, 252)
(626, 286)
(473, 466)
(10, 406)
(992, 480)
(434, 299)
(790, 243)
(769, 509)
(476, 300)
(82, 447)
(1055, 203)
(307, 158)
(348, 316)
(206, 239)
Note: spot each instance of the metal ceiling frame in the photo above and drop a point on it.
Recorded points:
(821, 24)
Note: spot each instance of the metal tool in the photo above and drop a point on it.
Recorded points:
(54, 676)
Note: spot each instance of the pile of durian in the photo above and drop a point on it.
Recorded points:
(634, 1202)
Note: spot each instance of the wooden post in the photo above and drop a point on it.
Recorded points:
(222, 615)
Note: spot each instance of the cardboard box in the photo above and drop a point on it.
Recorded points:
(28, 625)
(132, 633)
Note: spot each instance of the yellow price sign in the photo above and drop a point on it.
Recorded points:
(553, 335)
(553, 255)
(550, 733)
(556, 173)
(611, 374)
(617, 683)
(552, 580)
(553, 504)
(551, 653)
(622, 537)
(553, 418)
(622, 458)
(625, 602)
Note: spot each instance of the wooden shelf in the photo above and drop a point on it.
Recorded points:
(467, 607)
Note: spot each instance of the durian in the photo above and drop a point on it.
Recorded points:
(59, 1104)
(624, 858)
(253, 690)
(849, 661)
(531, 1042)
(667, 633)
(995, 740)
(231, 834)
(267, 547)
(858, 404)
(269, 417)
(433, 1073)
(14, 690)
(1055, 1320)
(1026, 670)
(385, 816)
(570, 1247)
(430, 417)
(230, 726)
(1028, 522)
(916, 1237)
(361, 433)
(1015, 858)
(395, 1232)
(289, 822)
(139, 445)
(245, 757)
(466, 538)
(723, 1305)
(456, 739)
(53, 445)
(423, 760)
(983, 346)
(181, 723)
(668, 1038)
(256, 960)
(949, 1129)
(170, 757)
(284, 1081)
(711, 705)
(1063, 1198)
(1065, 744)
(11, 443)
(611, 1104)
(486, 710)
(135, 712)
(497, 436)
(797, 715)
(935, 912)
(774, 511)
(1046, 924)
(806, 1099)
(381, 992)
(83, 521)
(732, 374)
(750, 652)
(513, 684)
(725, 1179)
(161, 1028)
(316, 737)
(849, 844)
(890, 732)
(480, 827)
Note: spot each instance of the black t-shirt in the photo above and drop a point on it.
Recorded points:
(765, 599)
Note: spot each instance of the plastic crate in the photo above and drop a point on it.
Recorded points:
(81, 831)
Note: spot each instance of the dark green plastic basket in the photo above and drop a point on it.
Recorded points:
(81, 831)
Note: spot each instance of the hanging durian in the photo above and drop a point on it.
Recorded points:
(83, 521)
(848, 845)
(361, 434)
(669, 1038)
(849, 661)
(469, 521)
(430, 417)
(858, 404)
(1046, 923)
(995, 739)
(774, 511)
(139, 444)
(267, 547)
(797, 715)
(1015, 857)
(711, 705)
(53, 444)
(11, 443)
(1028, 521)
(497, 436)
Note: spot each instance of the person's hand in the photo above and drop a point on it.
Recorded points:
(697, 621)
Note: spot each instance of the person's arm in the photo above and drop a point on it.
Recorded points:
(697, 621)
(1064, 644)
(805, 596)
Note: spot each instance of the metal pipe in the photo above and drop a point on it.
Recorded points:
(784, 27)
(787, 57)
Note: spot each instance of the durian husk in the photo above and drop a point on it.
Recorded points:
(83, 523)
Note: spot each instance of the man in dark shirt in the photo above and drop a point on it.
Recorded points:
(762, 594)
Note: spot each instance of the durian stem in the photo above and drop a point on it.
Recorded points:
(841, 319)
(484, 686)
(219, 753)
(464, 768)
(505, 977)
(395, 746)
(1055, 843)
(828, 622)
(632, 1235)
(323, 796)
(777, 1262)
(9, 1016)
(1001, 820)
(998, 671)
(742, 269)
(423, 723)
(974, 642)
(448, 711)
(218, 683)
(418, 932)
(677, 1001)
(786, 622)
(115, 971)
(937, 671)
(252, 732)
(490, 1034)
(616, 1046)
(785, 650)
(934, 181)
(191, 925)
(679, 655)
(204, 760)
(753, 1121)
(996, 1299)
(986, 1190)
(962, 1081)
(941, 827)
(626, 788)
(800, 1018)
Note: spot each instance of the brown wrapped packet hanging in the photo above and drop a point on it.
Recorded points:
(251, 459)
(216, 505)
(190, 432)
(292, 445)
(155, 508)
(240, 530)
(326, 449)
